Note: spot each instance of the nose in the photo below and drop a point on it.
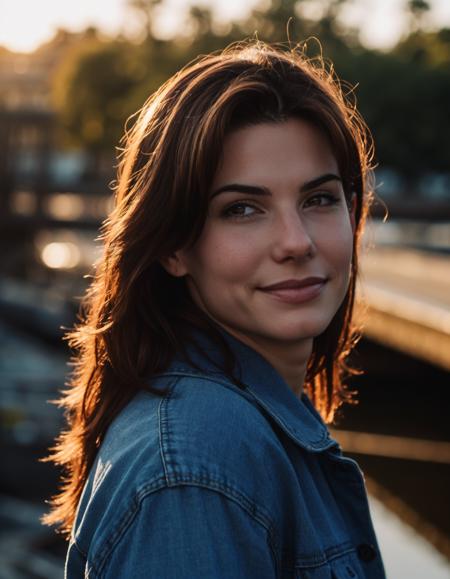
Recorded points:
(291, 239)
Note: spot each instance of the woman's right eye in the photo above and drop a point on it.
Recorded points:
(239, 210)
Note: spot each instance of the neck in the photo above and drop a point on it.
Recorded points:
(290, 360)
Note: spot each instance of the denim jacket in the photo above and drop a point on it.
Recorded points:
(217, 481)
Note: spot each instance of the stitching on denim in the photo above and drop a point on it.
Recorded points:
(163, 421)
(173, 479)
(328, 556)
(102, 556)
(209, 483)
(192, 373)
(286, 427)
(170, 465)
(212, 377)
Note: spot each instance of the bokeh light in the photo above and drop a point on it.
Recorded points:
(61, 255)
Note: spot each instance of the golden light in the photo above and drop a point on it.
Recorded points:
(65, 206)
(61, 255)
(44, 18)
(24, 203)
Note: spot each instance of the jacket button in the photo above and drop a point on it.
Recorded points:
(366, 552)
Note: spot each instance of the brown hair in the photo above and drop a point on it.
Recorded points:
(136, 315)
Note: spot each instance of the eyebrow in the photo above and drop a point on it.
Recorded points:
(260, 190)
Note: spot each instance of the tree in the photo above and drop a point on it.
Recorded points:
(404, 102)
(402, 94)
(91, 91)
(145, 9)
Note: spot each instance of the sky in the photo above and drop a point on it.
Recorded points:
(24, 24)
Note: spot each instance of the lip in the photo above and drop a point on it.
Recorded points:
(296, 291)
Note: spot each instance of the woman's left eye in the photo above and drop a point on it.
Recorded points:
(322, 200)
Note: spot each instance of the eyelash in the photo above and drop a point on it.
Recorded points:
(227, 212)
(330, 198)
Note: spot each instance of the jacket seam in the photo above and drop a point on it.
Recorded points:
(207, 377)
(315, 445)
(212, 483)
(329, 555)
(163, 424)
(100, 557)
(248, 506)
(174, 478)
(320, 445)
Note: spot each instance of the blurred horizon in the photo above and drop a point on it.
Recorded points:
(386, 26)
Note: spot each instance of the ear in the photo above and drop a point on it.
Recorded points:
(174, 264)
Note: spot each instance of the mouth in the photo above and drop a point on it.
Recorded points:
(296, 291)
(294, 283)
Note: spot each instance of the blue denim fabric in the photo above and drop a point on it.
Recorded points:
(216, 481)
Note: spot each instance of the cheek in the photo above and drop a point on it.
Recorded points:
(337, 245)
(344, 254)
(343, 246)
(227, 258)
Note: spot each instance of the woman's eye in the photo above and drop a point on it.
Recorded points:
(240, 210)
(322, 200)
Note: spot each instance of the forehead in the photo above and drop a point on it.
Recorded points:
(292, 149)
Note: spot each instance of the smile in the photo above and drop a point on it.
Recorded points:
(296, 291)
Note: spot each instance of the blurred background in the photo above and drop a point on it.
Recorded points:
(70, 77)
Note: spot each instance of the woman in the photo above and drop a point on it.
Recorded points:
(216, 334)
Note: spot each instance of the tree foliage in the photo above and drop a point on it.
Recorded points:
(403, 94)
(92, 89)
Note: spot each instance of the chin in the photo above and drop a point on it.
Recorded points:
(302, 329)
(294, 334)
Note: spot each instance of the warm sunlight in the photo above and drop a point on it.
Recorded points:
(43, 18)
(24, 24)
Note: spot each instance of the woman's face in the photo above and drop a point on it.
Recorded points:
(272, 265)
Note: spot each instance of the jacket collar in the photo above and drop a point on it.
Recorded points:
(295, 415)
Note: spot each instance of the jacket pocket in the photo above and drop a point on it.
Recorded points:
(322, 572)
(346, 567)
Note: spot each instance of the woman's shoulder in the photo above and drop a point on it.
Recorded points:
(198, 434)
(206, 417)
(198, 429)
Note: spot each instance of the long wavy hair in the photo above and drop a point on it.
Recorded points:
(135, 315)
